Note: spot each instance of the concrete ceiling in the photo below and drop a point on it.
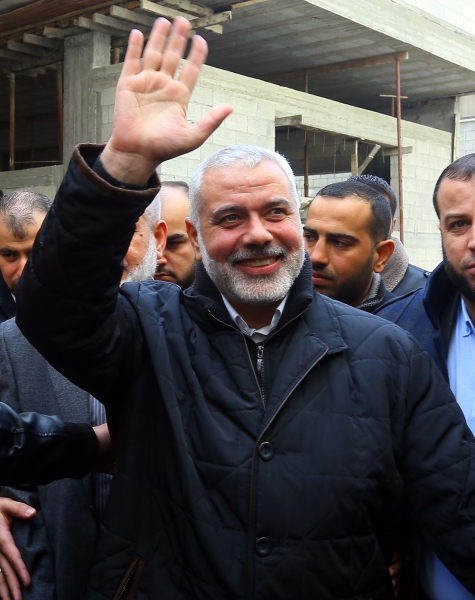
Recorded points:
(279, 36)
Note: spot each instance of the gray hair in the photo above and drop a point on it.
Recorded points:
(153, 212)
(18, 210)
(249, 156)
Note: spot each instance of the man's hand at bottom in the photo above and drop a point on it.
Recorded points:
(14, 573)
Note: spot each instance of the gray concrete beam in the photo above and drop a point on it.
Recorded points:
(82, 54)
(407, 24)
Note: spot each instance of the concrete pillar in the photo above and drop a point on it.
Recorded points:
(82, 54)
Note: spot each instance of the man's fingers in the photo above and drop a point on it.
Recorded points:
(11, 508)
(202, 129)
(152, 55)
(9, 583)
(176, 46)
(133, 54)
(196, 59)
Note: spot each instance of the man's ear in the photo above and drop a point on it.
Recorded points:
(382, 253)
(160, 234)
(193, 235)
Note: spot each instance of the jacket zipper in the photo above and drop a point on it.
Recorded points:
(260, 372)
(132, 577)
(251, 515)
(247, 352)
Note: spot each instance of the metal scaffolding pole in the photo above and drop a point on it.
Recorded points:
(305, 152)
(12, 121)
(59, 93)
(399, 150)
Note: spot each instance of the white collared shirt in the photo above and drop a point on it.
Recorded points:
(257, 335)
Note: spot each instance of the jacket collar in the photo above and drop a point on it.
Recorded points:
(440, 301)
(7, 304)
(206, 307)
(439, 293)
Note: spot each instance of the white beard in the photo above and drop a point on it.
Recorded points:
(145, 270)
(252, 289)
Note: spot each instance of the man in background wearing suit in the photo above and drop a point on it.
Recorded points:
(57, 544)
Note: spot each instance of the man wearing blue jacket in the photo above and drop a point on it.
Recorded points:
(442, 316)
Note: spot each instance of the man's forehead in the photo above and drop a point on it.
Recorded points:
(455, 191)
(241, 180)
(350, 213)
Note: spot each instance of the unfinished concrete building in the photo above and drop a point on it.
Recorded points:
(319, 80)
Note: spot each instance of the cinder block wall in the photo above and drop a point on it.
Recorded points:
(45, 180)
(253, 120)
(467, 137)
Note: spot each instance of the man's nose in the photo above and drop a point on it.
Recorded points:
(257, 233)
(162, 260)
(21, 265)
(471, 239)
(318, 254)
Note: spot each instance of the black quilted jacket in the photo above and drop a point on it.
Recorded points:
(230, 485)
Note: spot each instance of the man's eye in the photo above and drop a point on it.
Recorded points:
(458, 224)
(229, 219)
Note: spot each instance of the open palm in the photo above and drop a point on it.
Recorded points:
(150, 124)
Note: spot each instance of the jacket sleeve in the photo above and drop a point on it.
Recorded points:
(67, 301)
(438, 466)
(37, 448)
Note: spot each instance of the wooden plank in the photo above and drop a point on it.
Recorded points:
(34, 72)
(61, 34)
(205, 22)
(27, 49)
(374, 150)
(91, 26)
(24, 63)
(131, 16)
(191, 7)
(171, 13)
(342, 66)
(46, 12)
(115, 23)
(393, 151)
(38, 40)
(11, 55)
(294, 121)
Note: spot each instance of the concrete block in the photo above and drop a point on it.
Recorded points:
(203, 95)
(106, 132)
(259, 126)
(194, 112)
(176, 167)
(246, 107)
(108, 96)
(225, 137)
(237, 122)
(266, 110)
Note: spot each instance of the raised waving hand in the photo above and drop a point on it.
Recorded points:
(150, 124)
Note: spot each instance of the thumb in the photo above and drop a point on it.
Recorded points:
(13, 509)
(202, 129)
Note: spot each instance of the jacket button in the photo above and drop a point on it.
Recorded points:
(263, 547)
(266, 451)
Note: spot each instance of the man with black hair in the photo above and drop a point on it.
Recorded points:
(177, 263)
(398, 275)
(21, 214)
(347, 239)
(442, 318)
